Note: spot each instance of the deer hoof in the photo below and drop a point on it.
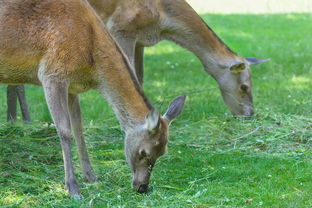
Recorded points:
(77, 197)
(91, 178)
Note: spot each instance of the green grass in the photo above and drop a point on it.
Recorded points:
(213, 160)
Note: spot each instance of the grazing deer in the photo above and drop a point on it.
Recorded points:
(63, 46)
(136, 24)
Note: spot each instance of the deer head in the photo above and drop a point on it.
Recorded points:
(148, 142)
(236, 86)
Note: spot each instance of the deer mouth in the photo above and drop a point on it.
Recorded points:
(246, 114)
(143, 188)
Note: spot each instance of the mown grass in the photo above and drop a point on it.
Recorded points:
(213, 160)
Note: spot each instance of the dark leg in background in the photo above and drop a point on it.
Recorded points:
(13, 93)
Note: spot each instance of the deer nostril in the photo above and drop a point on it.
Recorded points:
(143, 188)
(249, 115)
(244, 87)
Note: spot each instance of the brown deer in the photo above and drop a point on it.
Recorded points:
(136, 24)
(63, 46)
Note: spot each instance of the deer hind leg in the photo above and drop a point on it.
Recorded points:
(23, 103)
(56, 94)
(15, 92)
(76, 124)
(11, 103)
(139, 62)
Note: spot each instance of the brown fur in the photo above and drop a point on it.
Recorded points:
(77, 53)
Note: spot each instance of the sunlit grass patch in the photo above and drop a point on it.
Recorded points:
(301, 82)
(167, 49)
(11, 198)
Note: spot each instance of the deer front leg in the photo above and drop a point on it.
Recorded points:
(135, 53)
(127, 45)
(56, 94)
(76, 124)
(139, 63)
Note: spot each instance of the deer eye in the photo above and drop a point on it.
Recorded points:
(142, 153)
(244, 87)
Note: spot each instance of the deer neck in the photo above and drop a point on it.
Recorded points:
(114, 77)
(119, 85)
(184, 26)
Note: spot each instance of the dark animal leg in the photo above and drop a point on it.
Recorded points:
(23, 103)
(11, 103)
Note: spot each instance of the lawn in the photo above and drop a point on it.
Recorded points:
(213, 159)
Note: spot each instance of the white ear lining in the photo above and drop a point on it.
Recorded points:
(152, 120)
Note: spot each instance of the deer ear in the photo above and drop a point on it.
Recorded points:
(256, 61)
(152, 120)
(238, 67)
(175, 108)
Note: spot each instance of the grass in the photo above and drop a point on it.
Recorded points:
(213, 160)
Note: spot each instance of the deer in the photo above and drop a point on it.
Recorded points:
(63, 46)
(136, 24)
